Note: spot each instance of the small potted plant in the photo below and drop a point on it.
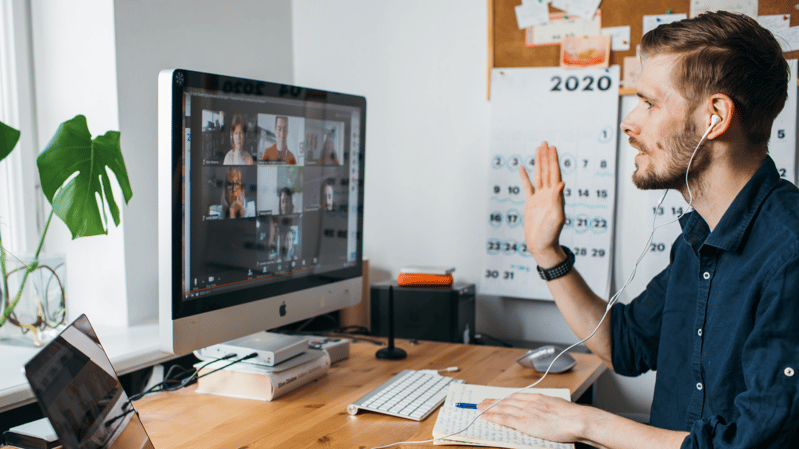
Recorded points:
(74, 179)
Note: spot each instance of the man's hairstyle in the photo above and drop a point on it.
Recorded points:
(287, 191)
(282, 117)
(731, 54)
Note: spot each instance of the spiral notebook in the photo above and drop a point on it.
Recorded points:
(483, 433)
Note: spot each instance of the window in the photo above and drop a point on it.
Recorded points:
(20, 200)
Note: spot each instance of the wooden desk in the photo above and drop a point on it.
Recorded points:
(316, 414)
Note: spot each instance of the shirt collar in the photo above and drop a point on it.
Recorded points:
(730, 231)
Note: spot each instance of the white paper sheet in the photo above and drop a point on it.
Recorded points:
(560, 26)
(619, 37)
(531, 14)
(652, 22)
(788, 38)
(748, 7)
(583, 8)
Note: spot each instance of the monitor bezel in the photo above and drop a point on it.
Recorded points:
(181, 80)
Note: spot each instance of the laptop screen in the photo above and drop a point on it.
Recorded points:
(79, 392)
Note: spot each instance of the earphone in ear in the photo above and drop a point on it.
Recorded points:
(714, 119)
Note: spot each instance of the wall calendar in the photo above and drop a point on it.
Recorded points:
(577, 112)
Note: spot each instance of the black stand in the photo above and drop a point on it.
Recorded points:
(391, 353)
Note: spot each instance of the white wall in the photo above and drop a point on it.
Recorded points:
(246, 38)
(75, 73)
(424, 80)
(422, 66)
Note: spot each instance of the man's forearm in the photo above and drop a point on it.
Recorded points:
(602, 429)
(578, 304)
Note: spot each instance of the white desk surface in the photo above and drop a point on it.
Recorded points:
(129, 348)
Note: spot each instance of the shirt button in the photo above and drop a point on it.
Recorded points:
(706, 275)
(699, 386)
(789, 372)
(699, 332)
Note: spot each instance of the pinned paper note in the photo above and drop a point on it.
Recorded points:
(788, 38)
(619, 37)
(780, 27)
(583, 8)
(632, 72)
(748, 7)
(775, 22)
(585, 52)
(532, 13)
(561, 26)
(652, 22)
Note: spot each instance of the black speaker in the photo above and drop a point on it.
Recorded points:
(425, 313)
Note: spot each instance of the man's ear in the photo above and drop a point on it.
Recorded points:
(722, 106)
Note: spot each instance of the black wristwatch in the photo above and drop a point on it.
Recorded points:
(560, 269)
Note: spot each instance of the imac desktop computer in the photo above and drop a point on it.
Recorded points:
(260, 206)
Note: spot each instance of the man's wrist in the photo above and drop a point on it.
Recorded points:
(560, 269)
(549, 257)
(590, 425)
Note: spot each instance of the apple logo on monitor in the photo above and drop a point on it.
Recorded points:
(283, 309)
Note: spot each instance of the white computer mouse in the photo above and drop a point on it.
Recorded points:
(540, 359)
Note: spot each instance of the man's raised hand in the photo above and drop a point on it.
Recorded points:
(544, 213)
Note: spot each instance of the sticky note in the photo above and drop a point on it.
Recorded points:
(583, 8)
(619, 37)
(748, 7)
(652, 22)
(532, 14)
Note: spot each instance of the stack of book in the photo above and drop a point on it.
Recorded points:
(425, 276)
(254, 380)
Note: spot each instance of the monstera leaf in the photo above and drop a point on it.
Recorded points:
(72, 155)
(8, 140)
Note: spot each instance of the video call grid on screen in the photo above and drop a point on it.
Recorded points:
(268, 189)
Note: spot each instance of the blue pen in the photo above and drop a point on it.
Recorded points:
(465, 405)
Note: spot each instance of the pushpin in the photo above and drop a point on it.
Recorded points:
(668, 12)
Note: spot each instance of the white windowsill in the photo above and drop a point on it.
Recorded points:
(129, 348)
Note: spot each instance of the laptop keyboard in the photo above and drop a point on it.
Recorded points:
(410, 394)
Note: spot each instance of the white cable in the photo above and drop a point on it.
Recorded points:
(690, 196)
(611, 301)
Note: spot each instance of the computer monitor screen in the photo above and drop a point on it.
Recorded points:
(260, 205)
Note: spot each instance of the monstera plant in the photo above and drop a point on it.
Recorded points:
(74, 178)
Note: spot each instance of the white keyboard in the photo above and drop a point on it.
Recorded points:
(410, 394)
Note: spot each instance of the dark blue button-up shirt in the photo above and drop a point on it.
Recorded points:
(721, 324)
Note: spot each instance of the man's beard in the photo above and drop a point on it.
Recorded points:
(680, 147)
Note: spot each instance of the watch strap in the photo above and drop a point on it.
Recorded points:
(560, 269)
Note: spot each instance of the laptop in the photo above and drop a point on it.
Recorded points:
(79, 392)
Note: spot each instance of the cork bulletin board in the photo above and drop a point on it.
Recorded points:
(506, 42)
